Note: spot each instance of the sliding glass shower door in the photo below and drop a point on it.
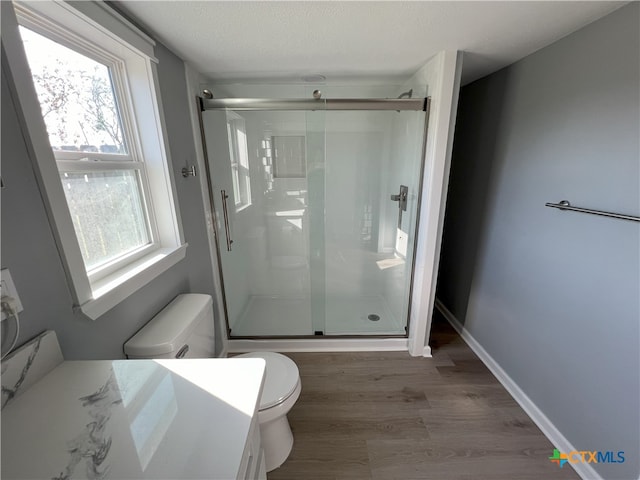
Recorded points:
(315, 219)
(372, 172)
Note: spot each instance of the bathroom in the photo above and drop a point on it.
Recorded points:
(276, 248)
(198, 271)
(312, 249)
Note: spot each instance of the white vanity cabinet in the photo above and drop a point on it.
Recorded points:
(253, 466)
(135, 419)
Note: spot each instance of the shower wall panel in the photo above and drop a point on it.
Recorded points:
(357, 159)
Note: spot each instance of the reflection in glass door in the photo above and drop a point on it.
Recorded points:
(269, 159)
(314, 232)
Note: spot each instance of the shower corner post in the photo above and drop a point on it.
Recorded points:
(419, 321)
(417, 336)
(442, 118)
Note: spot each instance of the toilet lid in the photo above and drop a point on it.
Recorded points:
(281, 377)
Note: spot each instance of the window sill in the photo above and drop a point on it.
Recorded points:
(113, 289)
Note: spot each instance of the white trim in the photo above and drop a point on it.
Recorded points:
(584, 470)
(98, 15)
(114, 288)
(426, 351)
(322, 344)
(444, 103)
(101, 271)
(120, 26)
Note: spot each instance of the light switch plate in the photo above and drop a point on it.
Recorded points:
(7, 287)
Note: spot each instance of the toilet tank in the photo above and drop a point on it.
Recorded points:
(183, 329)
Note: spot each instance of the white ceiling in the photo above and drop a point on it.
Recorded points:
(275, 41)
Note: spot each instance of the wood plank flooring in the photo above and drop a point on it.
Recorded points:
(389, 416)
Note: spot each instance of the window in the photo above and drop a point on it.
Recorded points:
(101, 174)
(98, 142)
(239, 155)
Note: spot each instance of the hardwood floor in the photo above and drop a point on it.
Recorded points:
(388, 416)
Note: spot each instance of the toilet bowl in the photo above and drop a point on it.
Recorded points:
(281, 390)
(185, 329)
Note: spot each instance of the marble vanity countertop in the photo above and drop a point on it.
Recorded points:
(133, 419)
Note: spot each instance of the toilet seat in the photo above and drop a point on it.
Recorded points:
(282, 378)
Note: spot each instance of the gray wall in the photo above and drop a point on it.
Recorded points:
(553, 296)
(29, 250)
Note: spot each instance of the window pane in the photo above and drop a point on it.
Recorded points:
(107, 212)
(76, 97)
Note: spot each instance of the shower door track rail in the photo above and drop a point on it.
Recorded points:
(258, 104)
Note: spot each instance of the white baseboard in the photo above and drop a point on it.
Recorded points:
(426, 351)
(554, 435)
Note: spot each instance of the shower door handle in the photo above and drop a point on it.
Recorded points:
(225, 213)
(401, 198)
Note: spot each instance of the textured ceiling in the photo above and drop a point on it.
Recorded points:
(281, 41)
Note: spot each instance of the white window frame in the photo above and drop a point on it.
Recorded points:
(97, 31)
(69, 161)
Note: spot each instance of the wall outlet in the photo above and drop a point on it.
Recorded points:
(7, 287)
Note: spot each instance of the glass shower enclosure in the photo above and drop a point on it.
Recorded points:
(315, 214)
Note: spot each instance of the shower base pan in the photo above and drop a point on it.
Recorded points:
(266, 316)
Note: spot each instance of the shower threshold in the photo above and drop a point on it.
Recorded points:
(318, 344)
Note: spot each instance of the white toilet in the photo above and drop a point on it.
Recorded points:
(185, 329)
